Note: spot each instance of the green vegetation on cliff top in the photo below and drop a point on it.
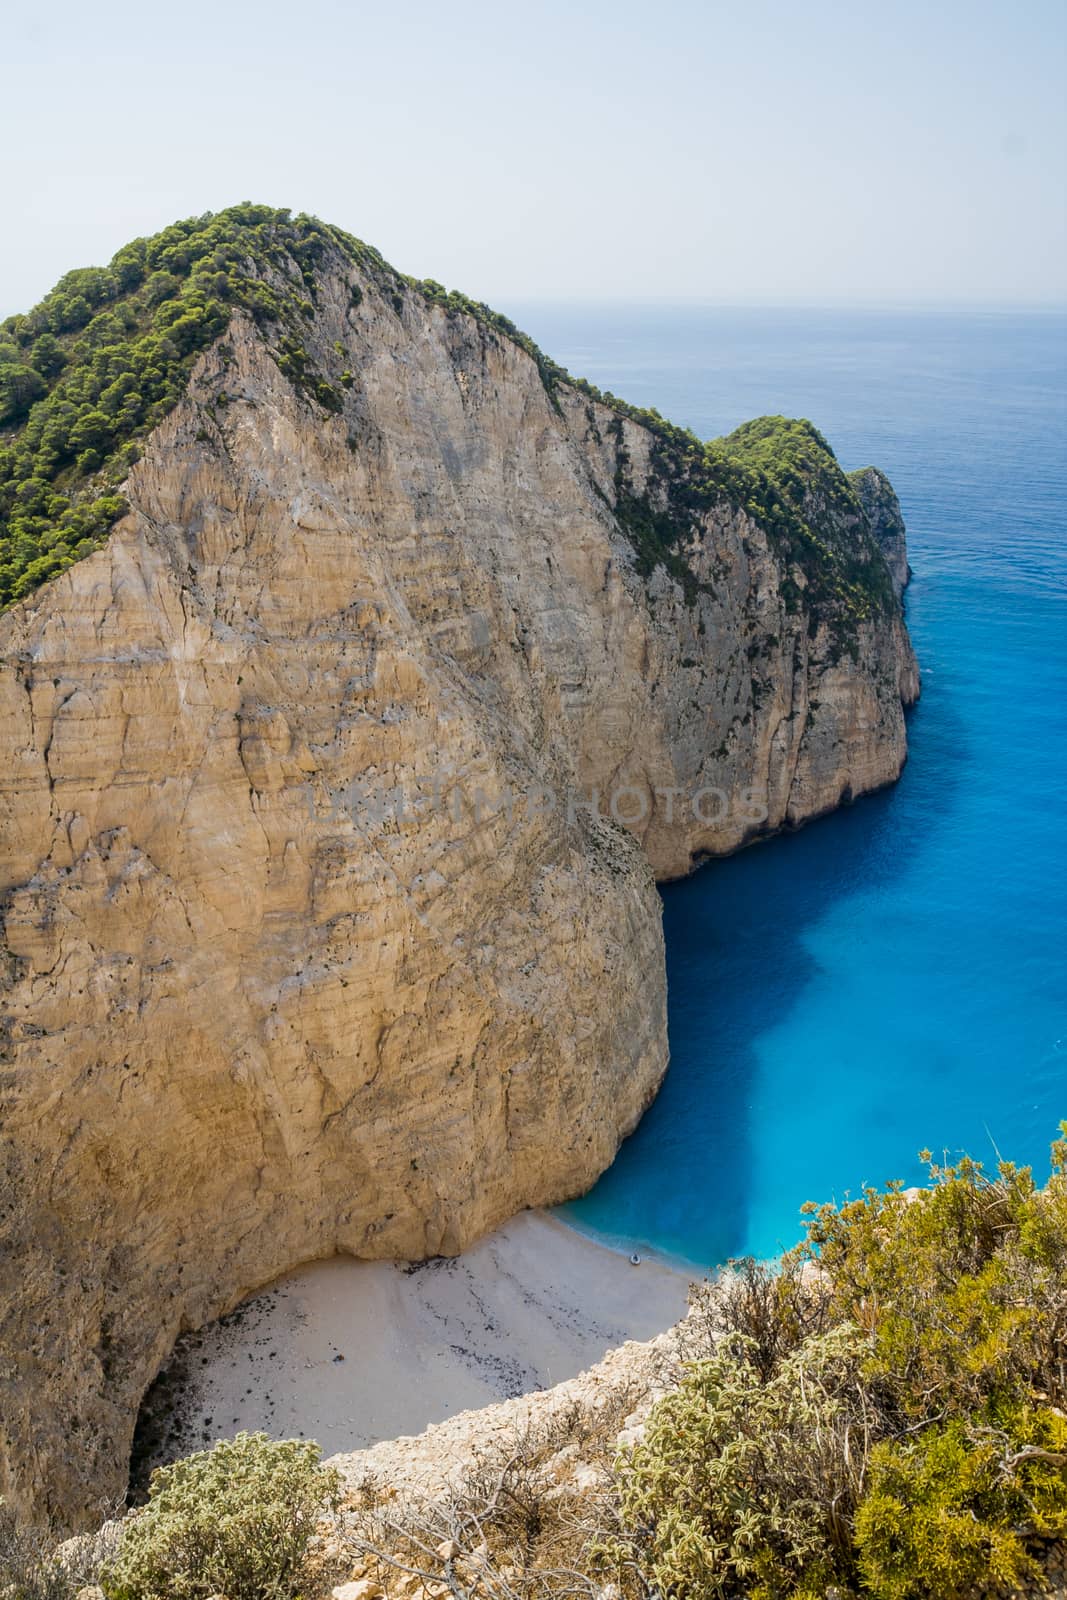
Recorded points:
(87, 374)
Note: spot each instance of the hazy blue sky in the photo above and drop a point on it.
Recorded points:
(762, 150)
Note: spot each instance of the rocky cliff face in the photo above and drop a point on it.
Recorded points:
(313, 937)
(882, 508)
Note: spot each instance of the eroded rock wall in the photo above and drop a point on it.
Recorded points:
(285, 970)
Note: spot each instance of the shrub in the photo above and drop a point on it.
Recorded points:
(236, 1519)
(746, 1485)
(27, 1571)
(32, 1568)
(963, 1289)
(507, 1523)
(886, 1411)
(948, 1512)
(776, 1307)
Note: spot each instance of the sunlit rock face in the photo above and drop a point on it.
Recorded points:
(315, 936)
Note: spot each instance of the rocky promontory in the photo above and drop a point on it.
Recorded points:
(339, 754)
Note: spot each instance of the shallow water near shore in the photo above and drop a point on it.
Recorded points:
(891, 977)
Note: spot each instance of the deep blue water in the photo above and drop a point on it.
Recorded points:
(892, 977)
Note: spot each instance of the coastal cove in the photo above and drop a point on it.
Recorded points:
(247, 1032)
(891, 977)
(353, 1352)
(533, 772)
(876, 935)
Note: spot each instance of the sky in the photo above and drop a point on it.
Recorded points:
(761, 151)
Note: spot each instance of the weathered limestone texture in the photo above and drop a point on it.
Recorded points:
(252, 1011)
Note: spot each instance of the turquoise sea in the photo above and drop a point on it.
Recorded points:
(892, 977)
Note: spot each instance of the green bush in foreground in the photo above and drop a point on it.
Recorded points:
(887, 1415)
(949, 1512)
(881, 1414)
(234, 1520)
(738, 1483)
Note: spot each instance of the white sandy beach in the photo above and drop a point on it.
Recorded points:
(349, 1352)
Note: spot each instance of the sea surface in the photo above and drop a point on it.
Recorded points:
(891, 977)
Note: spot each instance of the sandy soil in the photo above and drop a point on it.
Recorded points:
(349, 1352)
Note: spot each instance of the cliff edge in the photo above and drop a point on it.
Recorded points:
(351, 701)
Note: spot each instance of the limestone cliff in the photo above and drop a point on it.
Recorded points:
(882, 508)
(312, 941)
